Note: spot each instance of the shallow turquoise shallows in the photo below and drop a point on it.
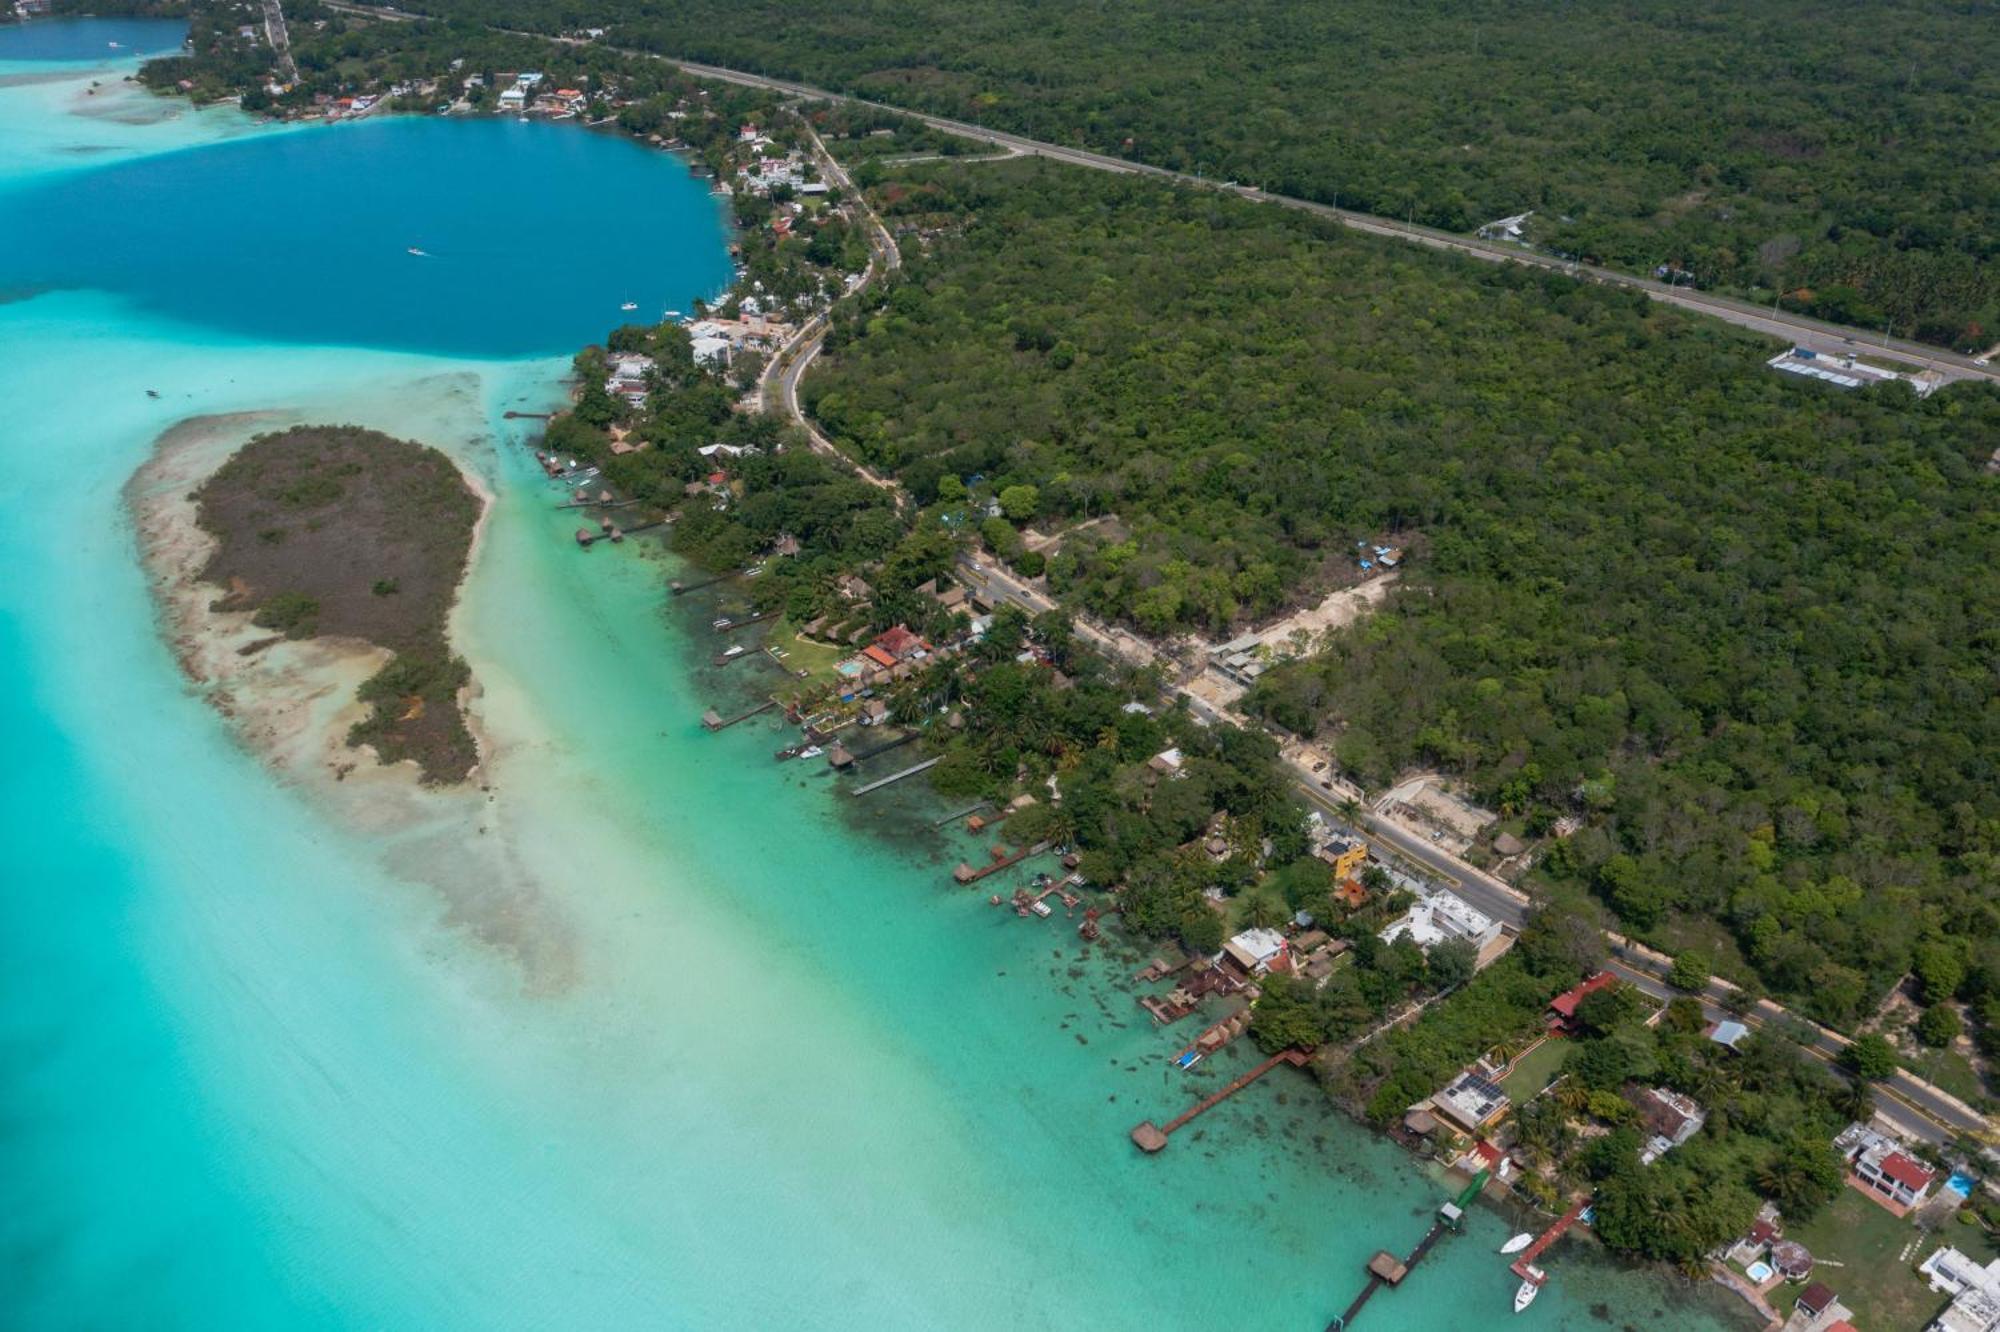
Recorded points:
(654, 1032)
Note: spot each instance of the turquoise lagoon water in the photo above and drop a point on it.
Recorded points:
(79, 41)
(654, 1032)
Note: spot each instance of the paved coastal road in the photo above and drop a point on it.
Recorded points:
(1912, 1105)
(1816, 334)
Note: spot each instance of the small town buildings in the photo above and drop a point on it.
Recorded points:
(1793, 1260)
(853, 588)
(1756, 1243)
(1893, 1176)
(513, 99)
(1470, 1104)
(1669, 1119)
(1346, 855)
(1974, 1291)
(902, 645)
(1514, 229)
(1562, 1008)
(1439, 917)
(1167, 762)
(1727, 1032)
(1845, 371)
(1816, 1299)
(1258, 952)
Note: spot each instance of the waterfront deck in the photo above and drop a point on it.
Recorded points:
(880, 782)
(715, 721)
(1151, 1137)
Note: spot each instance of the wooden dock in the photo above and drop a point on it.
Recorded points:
(746, 622)
(965, 873)
(612, 532)
(1524, 1266)
(879, 782)
(973, 808)
(1385, 1269)
(677, 587)
(1151, 1137)
(715, 721)
(864, 755)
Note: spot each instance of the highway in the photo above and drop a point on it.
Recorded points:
(1814, 333)
(1913, 1106)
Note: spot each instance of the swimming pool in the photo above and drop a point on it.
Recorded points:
(1960, 1183)
(1759, 1272)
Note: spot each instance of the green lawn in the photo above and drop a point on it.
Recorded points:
(1874, 1280)
(1534, 1070)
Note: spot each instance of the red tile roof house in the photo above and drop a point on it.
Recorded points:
(1893, 1179)
(901, 643)
(1563, 1007)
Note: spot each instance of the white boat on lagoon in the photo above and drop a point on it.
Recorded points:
(1531, 1286)
(1518, 1243)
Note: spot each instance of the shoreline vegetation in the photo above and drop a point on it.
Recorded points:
(342, 533)
(1830, 160)
(1008, 406)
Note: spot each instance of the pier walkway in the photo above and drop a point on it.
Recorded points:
(925, 766)
(1384, 1269)
(1151, 1137)
(1523, 1264)
(715, 721)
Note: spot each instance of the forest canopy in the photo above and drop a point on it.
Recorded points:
(1842, 153)
(1741, 626)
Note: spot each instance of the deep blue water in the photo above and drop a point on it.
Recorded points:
(533, 235)
(89, 39)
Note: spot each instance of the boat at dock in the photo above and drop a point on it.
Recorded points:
(1041, 908)
(1531, 1286)
(1187, 1059)
(1519, 1242)
(811, 751)
(735, 651)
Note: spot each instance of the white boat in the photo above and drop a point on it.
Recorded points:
(421, 254)
(721, 624)
(629, 305)
(1531, 1286)
(811, 751)
(1519, 1242)
(736, 651)
(1040, 908)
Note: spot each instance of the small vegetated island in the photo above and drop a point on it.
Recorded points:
(336, 531)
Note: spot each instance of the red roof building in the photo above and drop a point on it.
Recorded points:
(1564, 1005)
(875, 654)
(900, 643)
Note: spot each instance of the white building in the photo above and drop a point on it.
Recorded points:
(1259, 951)
(1975, 1291)
(1440, 916)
